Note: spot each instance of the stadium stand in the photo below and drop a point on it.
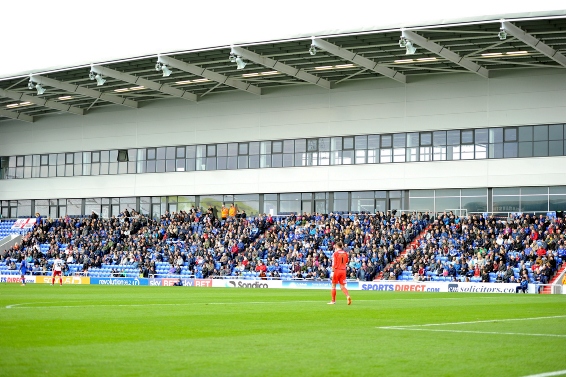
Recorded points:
(390, 246)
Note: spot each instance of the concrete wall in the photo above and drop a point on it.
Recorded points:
(452, 101)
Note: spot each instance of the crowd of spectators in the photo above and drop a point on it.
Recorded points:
(199, 243)
(204, 245)
(487, 249)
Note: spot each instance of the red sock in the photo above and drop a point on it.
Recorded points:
(333, 294)
(52, 280)
(60, 281)
(345, 290)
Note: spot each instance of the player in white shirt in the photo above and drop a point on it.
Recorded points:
(57, 270)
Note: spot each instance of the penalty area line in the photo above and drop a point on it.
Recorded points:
(549, 374)
(472, 322)
(474, 332)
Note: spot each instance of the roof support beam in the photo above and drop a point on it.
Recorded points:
(41, 101)
(534, 42)
(358, 59)
(16, 116)
(445, 53)
(72, 88)
(208, 74)
(281, 67)
(164, 88)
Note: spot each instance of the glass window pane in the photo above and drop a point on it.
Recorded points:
(526, 133)
(60, 159)
(277, 160)
(233, 149)
(399, 140)
(510, 150)
(447, 192)
(506, 191)
(222, 150)
(348, 157)
(510, 134)
(496, 135)
(211, 150)
(160, 166)
(36, 160)
(426, 138)
(191, 151)
(506, 203)
(151, 153)
(385, 156)
(348, 143)
(242, 162)
(540, 148)
(211, 163)
(468, 137)
(555, 132)
(526, 149)
(113, 155)
(232, 163)
(27, 160)
(113, 168)
(300, 145)
(44, 159)
(160, 154)
(474, 204)
(373, 141)
(413, 139)
(336, 143)
(496, 150)
(170, 153)
(540, 133)
(474, 192)
(254, 162)
(324, 144)
(191, 164)
(180, 152)
(312, 145)
(243, 148)
(534, 190)
(481, 135)
(557, 203)
(221, 163)
(453, 137)
(288, 146)
(170, 165)
(446, 204)
(386, 141)
(288, 159)
(265, 161)
(361, 142)
(277, 147)
(439, 138)
(254, 148)
(555, 148)
(425, 154)
(467, 152)
(557, 190)
(421, 204)
(533, 203)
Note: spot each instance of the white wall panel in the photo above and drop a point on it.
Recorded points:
(352, 107)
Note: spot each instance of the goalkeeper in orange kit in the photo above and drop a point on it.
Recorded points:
(339, 264)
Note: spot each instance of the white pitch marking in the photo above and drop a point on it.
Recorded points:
(549, 374)
(475, 332)
(472, 322)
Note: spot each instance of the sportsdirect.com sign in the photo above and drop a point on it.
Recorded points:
(439, 287)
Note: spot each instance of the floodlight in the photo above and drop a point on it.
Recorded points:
(502, 34)
(411, 49)
(162, 67)
(312, 50)
(240, 63)
(166, 71)
(99, 80)
(40, 89)
(402, 42)
(232, 58)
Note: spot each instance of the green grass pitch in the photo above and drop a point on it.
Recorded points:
(181, 331)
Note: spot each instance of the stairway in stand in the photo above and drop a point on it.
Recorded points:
(547, 289)
(413, 244)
